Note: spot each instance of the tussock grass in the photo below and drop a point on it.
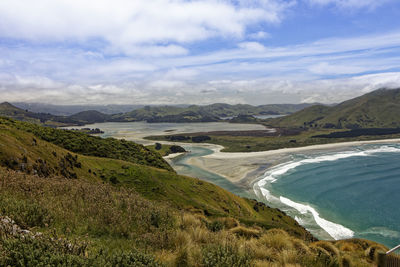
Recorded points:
(245, 232)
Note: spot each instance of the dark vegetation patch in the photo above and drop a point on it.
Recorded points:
(360, 132)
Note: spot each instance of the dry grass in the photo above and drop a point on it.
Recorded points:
(245, 232)
(119, 218)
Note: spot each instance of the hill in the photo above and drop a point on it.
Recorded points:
(68, 110)
(90, 145)
(89, 117)
(378, 109)
(62, 208)
(47, 119)
(193, 113)
(208, 113)
(8, 110)
(167, 114)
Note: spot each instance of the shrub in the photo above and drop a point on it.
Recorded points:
(45, 251)
(200, 138)
(225, 256)
(215, 226)
(26, 213)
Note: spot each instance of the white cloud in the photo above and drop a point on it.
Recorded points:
(259, 35)
(353, 4)
(126, 25)
(252, 46)
(254, 91)
(335, 69)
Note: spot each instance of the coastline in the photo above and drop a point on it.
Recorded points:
(173, 155)
(237, 167)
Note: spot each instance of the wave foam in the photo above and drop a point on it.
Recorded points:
(273, 174)
(336, 231)
(382, 231)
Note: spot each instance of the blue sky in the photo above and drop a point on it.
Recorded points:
(197, 52)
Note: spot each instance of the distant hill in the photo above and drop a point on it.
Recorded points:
(193, 113)
(11, 111)
(47, 119)
(68, 110)
(378, 109)
(208, 113)
(90, 116)
(6, 109)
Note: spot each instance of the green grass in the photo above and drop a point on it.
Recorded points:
(232, 143)
(90, 145)
(377, 109)
(165, 150)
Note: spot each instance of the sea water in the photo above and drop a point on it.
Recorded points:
(181, 165)
(352, 193)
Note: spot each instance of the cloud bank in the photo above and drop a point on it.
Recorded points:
(177, 51)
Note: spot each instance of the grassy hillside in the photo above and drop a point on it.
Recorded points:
(27, 153)
(55, 221)
(90, 145)
(90, 116)
(378, 109)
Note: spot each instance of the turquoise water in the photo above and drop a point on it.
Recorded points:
(181, 165)
(350, 193)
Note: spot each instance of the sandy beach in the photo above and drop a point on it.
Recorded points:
(243, 168)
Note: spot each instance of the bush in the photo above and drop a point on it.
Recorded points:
(177, 149)
(215, 226)
(26, 213)
(200, 138)
(225, 256)
(158, 146)
(26, 251)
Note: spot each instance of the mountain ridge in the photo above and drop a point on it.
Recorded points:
(151, 114)
(377, 109)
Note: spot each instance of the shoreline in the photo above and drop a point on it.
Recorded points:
(232, 155)
(244, 168)
(174, 155)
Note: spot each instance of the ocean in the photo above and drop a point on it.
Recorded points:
(336, 195)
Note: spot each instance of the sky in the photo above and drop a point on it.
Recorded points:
(197, 52)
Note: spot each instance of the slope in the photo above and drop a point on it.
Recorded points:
(93, 211)
(62, 222)
(92, 146)
(378, 109)
(90, 116)
(47, 119)
(23, 151)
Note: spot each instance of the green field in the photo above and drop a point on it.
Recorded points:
(232, 142)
